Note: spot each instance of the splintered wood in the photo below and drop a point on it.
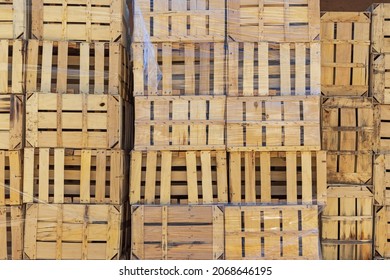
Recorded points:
(177, 233)
(380, 77)
(380, 29)
(13, 19)
(271, 232)
(276, 21)
(74, 176)
(11, 232)
(273, 123)
(10, 178)
(74, 121)
(179, 21)
(345, 47)
(81, 20)
(264, 69)
(180, 123)
(73, 232)
(284, 177)
(11, 70)
(348, 136)
(11, 121)
(179, 69)
(382, 232)
(178, 177)
(70, 67)
(347, 223)
(382, 179)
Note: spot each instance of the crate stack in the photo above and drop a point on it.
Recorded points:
(77, 130)
(13, 32)
(178, 177)
(277, 178)
(380, 85)
(347, 136)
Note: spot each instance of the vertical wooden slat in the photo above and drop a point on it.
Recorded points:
(32, 66)
(99, 67)
(113, 232)
(44, 166)
(59, 175)
(47, 62)
(285, 72)
(248, 70)
(250, 177)
(222, 184)
(84, 68)
(167, 68)
(135, 177)
(4, 66)
(166, 173)
(30, 237)
(62, 64)
(101, 164)
(292, 190)
(164, 231)
(233, 68)
(189, 72)
(207, 184)
(85, 177)
(263, 58)
(116, 175)
(2, 180)
(233, 241)
(28, 175)
(137, 232)
(59, 232)
(150, 179)
(265, 163)
(235, 177)
(306, 178)
(192, 179)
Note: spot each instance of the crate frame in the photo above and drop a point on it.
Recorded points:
(11, 121)
(11, 232)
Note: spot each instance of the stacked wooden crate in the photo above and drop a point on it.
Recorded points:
(77, 131)
(348, 136)
(13, 30)
(380, 85)
(276, 166)
(178, 167)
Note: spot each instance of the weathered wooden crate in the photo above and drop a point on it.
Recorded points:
(80, 20)
(179, 68)
(382, 179)
(73, 232)
(347, 223)
(380, 28)
(382, 126)
(180, 123)
(348, 134)
(11, 121)
(179, 21)
(75, 121)
(177, 232)
(271, 232)
(11, 232)
(257, 69)
(10, 177)
(14, 19)
(11, 70)
(178, 177)
(68, 67)
(380, 77)
(276, 21)
(74, 176)
(382, 232)
(273, 123)
(345, 48)
(277, 177)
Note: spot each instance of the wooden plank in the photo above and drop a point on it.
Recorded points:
(59, 162)
(44, 175)
(292, 190)
(192, 178)
(166, 158)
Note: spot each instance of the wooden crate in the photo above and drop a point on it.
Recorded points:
(180, 123)
(277, 177)
(179, 21)
(10, 177)
(74, 176)
(382, 126)
(11, 70)
(380, 28)
(14, 19)
(73, 232)
(258, 69)
(276, 21)
(271, 232)
(177, 233)
(380, 77)
(11, 121)
(81, 20)
(348, 136)
(178, 177)
(66, 67)
(347, 223)
(382, 233)
(179, 68)
(11, 232)
(273, 123)
(75, 121)
(345, 48)
(382, 179)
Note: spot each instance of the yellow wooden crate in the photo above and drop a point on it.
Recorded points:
(14, 19)
(11, 232)
(12, 55)
(11, 177)
(11, 121)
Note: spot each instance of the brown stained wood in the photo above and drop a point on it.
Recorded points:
(12, 57)
(192, 177)
(11, 232)
(179, 69)
(75, 121)
(179, 123)
(11, 177)
(89, 231)
(269, 241)
(284, 177)
(281, 21)
(280, 117)
(199, 23)
(72, 176)
(177, 232)
(344, 74)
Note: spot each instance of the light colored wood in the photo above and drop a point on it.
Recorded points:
(12, 59)
(291, 163)
(166, 158)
